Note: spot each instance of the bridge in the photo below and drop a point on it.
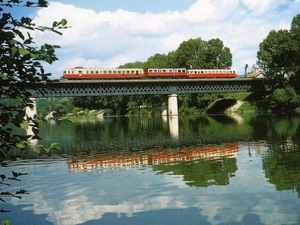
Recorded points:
(77, 88)
(170, 87)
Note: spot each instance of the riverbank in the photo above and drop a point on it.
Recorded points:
(244, 102)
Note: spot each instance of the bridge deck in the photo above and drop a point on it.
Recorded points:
(72, 88)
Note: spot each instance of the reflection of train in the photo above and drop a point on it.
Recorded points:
(154, 158)
(131, 73)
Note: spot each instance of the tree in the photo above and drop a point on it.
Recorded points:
(191, 54)
(218, 56)
(279, 55)
(284, 99)
(21, 70)
(136, 64)
(276, 50)
(158, 61)
(200, 54)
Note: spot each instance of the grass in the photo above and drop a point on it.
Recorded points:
(247, 98)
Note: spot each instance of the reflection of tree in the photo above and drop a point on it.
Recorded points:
(282, 169)
(281, 163)
(202, 173)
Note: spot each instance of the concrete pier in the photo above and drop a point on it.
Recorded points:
(30, 114)
(172, 105)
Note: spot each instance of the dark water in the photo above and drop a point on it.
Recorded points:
(151, 170)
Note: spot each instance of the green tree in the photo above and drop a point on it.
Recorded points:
(158, 61)
(218, 56)
(284, 99)
(200, 54)
(191, 53)
(275, 51)
(20, 70)
(279, 55)
(136, 64)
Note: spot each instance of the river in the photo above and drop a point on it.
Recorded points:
(218, 169)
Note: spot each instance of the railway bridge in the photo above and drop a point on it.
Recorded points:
(170, 87)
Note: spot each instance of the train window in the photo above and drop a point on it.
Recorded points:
(96, 72)
(92, 72)
(109, 71)
(80, 72)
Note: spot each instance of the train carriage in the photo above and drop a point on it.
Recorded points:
(165, 72)
(87, 73)
(151, 73)
(211, 73)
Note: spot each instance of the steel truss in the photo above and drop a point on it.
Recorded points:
(150, 87)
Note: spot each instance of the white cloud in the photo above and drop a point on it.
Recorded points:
(210, 10)
(112, 38)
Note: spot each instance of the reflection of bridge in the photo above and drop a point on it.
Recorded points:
(122, 159)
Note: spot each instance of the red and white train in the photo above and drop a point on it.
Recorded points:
(138, 73)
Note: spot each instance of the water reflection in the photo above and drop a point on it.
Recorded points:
(173, 125)
(132, 171)
(214, 164)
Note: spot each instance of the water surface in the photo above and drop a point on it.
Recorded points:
(140, 170)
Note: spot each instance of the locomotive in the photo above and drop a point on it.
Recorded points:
(78, 73)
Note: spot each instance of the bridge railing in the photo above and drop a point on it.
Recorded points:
(69, 88)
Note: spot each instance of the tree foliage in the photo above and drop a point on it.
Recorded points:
(279, 54)
(200, 54)
(21, 70)
(194, 53)
(284, 99)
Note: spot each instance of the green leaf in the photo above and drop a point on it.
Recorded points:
(6, 222)
(21, 145)
(54, 146)
(23, 51)
(37, 149)
(63, 22)
(5, 88)
(14, 51)
(24, 124)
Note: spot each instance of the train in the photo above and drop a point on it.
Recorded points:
(78, 73)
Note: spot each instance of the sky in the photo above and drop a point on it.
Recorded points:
(107, 34)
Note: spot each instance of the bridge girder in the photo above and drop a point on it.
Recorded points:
(69, 88)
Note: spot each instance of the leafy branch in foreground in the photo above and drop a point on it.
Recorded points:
(20, 70)
(7, 194)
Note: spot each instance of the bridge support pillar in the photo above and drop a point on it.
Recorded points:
(30, 113)
(172, 105)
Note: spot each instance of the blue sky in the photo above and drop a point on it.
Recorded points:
(107, 34)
